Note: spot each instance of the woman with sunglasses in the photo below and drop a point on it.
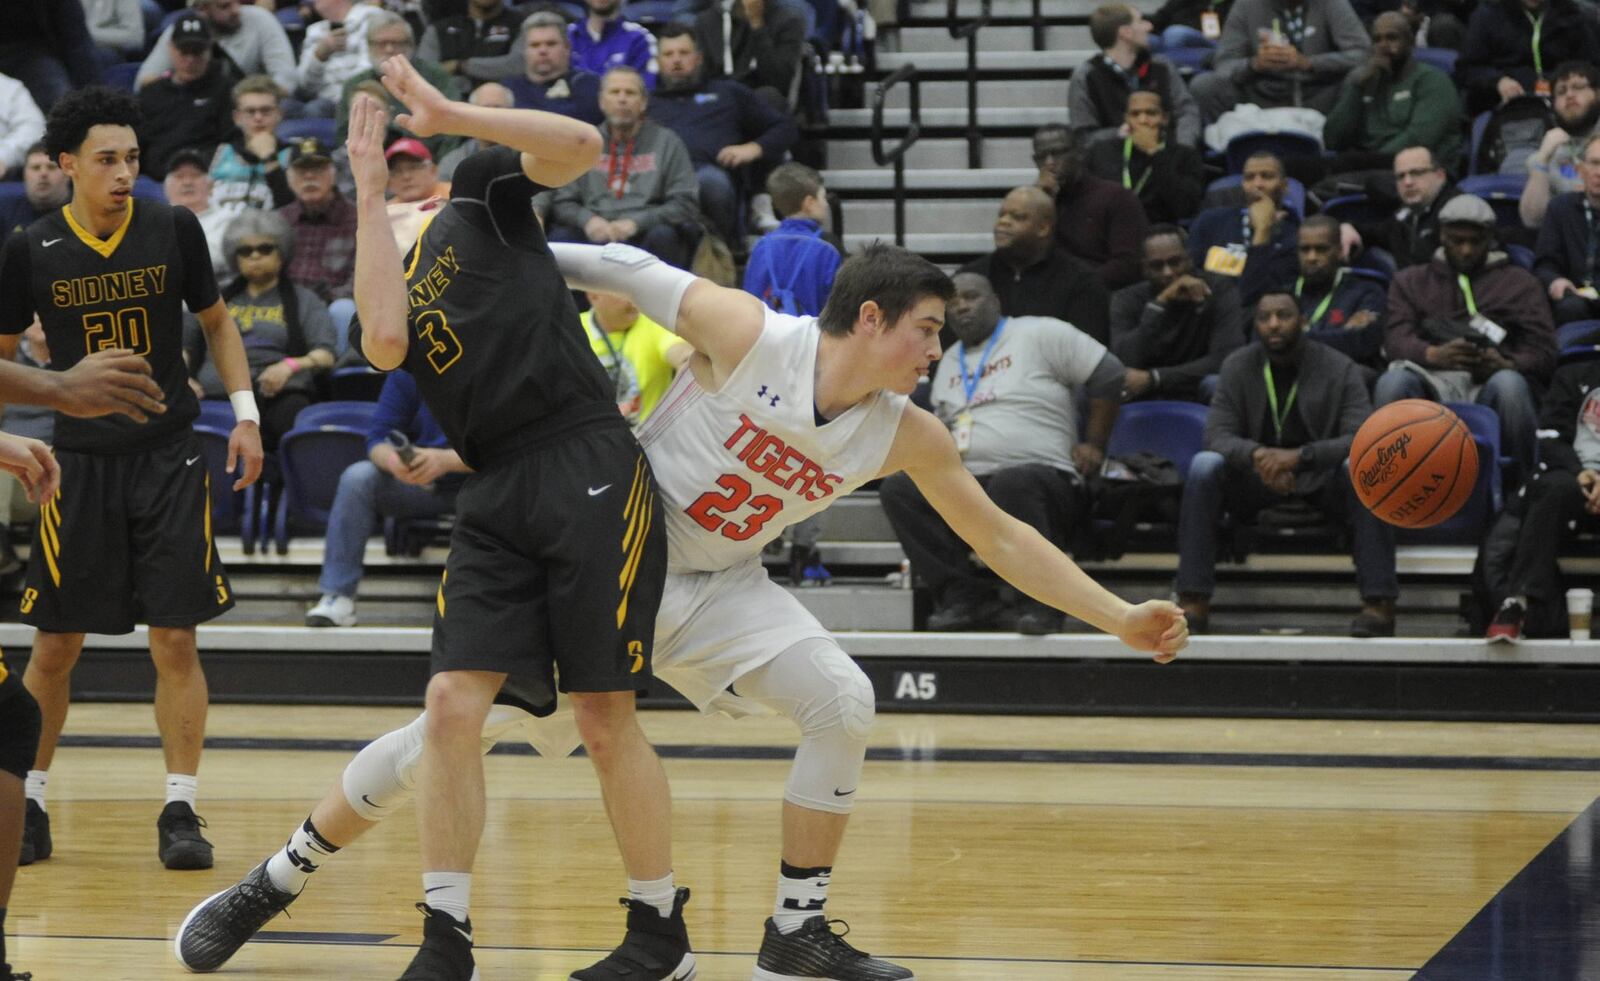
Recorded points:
(287, 333)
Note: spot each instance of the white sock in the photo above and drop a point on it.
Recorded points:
(34, 786)
(182, 786)
(660, 893)
(1521, 601)
(802, 893)
(295, 861)
(448, 892)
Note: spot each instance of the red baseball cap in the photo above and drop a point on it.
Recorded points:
(407, 146)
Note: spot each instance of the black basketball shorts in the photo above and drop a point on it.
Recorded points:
(19, 725)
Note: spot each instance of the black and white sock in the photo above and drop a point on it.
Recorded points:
(802, 893)
(303, 855)
(660, 893)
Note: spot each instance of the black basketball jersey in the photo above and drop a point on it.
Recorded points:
(127, 291)
(496, 345)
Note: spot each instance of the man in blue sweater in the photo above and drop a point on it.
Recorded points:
(414, 481)
(549, 81)
(1341, 310)
(734, 138)
(604, 40)
(1254, 244)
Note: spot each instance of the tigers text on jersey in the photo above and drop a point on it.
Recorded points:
(736, 467)
(126, 291)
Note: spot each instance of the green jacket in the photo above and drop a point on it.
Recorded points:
(437, 145)
(1419, 108)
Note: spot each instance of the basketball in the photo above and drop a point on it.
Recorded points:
(1413, 463)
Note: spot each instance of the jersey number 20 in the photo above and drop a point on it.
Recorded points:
(708, 508)
(126, 328)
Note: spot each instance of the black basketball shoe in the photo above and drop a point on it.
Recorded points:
(178, 838)
(216, 929)
(656, 947)
(36, 831)
(6, 974)
(446, 951)
(815, 952)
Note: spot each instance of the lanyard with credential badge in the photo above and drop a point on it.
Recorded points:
(1466, 291)
(1279, 418)
(969, 380)
(1538, 29)
(1127, 158)
(1322, 308)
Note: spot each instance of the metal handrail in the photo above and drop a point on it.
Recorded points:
(896, 154)
(969, 31)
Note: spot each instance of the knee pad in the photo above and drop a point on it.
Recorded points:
(383, 775)
(19, 733)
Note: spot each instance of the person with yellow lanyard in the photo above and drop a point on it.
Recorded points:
(1342, 311)
(639, 355)
(1168, 177)
(1511, 45)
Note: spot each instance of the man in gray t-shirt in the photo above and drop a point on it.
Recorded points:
(1009, 392)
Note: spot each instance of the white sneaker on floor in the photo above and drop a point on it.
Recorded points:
(332, 611)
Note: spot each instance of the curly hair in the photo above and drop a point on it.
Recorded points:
(80, 110)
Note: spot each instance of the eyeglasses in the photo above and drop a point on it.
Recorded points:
(246, 251)
(258, 110)
(1415, 173)
(398, 43)
(1573, 88)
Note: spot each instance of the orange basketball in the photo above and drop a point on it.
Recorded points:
(1413, 463)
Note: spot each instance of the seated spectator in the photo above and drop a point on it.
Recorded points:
(1554, 168)
(1168, 177)
(605, 39)
(334, 51)
(388, 35)
(1096, 221)
(1033, 276)
(1499, 60)
(188, 185)
(642, 189)
(792, 267)
(1342, 311)
(1569, 244)
(384, 486)
(323, 223)
(639, 355)
(1256, 243)
(1097, 93)
(44, 189)
(549, 81)
(1411, 234)
(1470, 326)
(1277, 437)
(188, 107)
(486, 32)
(1173, 330)
(1273, 54)
(251, 39)
(1009, 392)
(755, 42)
(249, 170)
(1562, 498)
(45, 45)
(286, 330)
(21, 126)
(491, 95)
(117, 29)
(1391, 102)
(414, 190)
(734, 139)
(1190, 23)
(32, 422)
(1435, 23)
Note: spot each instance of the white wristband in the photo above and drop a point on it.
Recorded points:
(244, 407)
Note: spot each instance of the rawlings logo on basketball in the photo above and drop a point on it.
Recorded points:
(1388, 458)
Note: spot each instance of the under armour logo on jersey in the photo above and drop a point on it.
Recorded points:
(772, 399)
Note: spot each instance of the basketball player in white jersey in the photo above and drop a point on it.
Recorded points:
(777, 417)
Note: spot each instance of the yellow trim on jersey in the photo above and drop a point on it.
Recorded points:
(208, 521)
(50, 536)
(639, 512)
(442, 577)
(106, 246)
(416, 247)
(5, 672)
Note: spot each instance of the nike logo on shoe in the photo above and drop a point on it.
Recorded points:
(49, 242)
(372, 803)
(467, 936)
(190, 462)
(599, 490)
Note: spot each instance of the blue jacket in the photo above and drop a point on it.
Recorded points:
(1352, 295)
(721, 113)
(622, 42)
(1275, 264)
(792, 267)
(400, 406)
(577, 94)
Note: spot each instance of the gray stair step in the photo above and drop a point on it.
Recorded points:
(997, 179)
(992, 94)
(918, 40)
(952, 217)
(1058, 59)
(938, 153)
(967, 9)
(896, 120)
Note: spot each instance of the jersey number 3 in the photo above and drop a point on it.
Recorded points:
(441, 345)
(708, 508)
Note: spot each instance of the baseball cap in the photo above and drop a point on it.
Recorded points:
(189, 155)
(409, 147)
(190, 31)
(309, 150)
(1467, 209)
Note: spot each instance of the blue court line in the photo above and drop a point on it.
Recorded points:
(269, 937)
(1562, 764)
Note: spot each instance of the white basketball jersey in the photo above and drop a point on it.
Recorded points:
(736, 467)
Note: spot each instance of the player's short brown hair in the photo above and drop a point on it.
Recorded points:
(893, 278)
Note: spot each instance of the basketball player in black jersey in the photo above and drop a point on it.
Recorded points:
(559, 552)
(127, 539)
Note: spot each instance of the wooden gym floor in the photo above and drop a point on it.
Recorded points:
(984, 848)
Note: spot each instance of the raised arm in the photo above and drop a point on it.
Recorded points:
(380, 283)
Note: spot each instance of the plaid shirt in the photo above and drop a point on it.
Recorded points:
(324, 248)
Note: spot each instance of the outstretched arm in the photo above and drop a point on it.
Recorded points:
(380, 283)
(1016, 551)
(555, 150)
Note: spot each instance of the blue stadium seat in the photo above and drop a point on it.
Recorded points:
(290, 18)
(1171, 429)
(356, 384)
(216, 413)
(313, 459)
(1375, 260)
(1502, 191)
(1286, 145)
(1355, 209)
(149, 188)
(1379, 276)
(1469, 524)
(1520, 255)
(323, 129)
(1191, 60)
(121, 75)
(1443, 59)
(354, 414)
(1294, 198)
(231, 511)
(1578, 341)
(1480, 126)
